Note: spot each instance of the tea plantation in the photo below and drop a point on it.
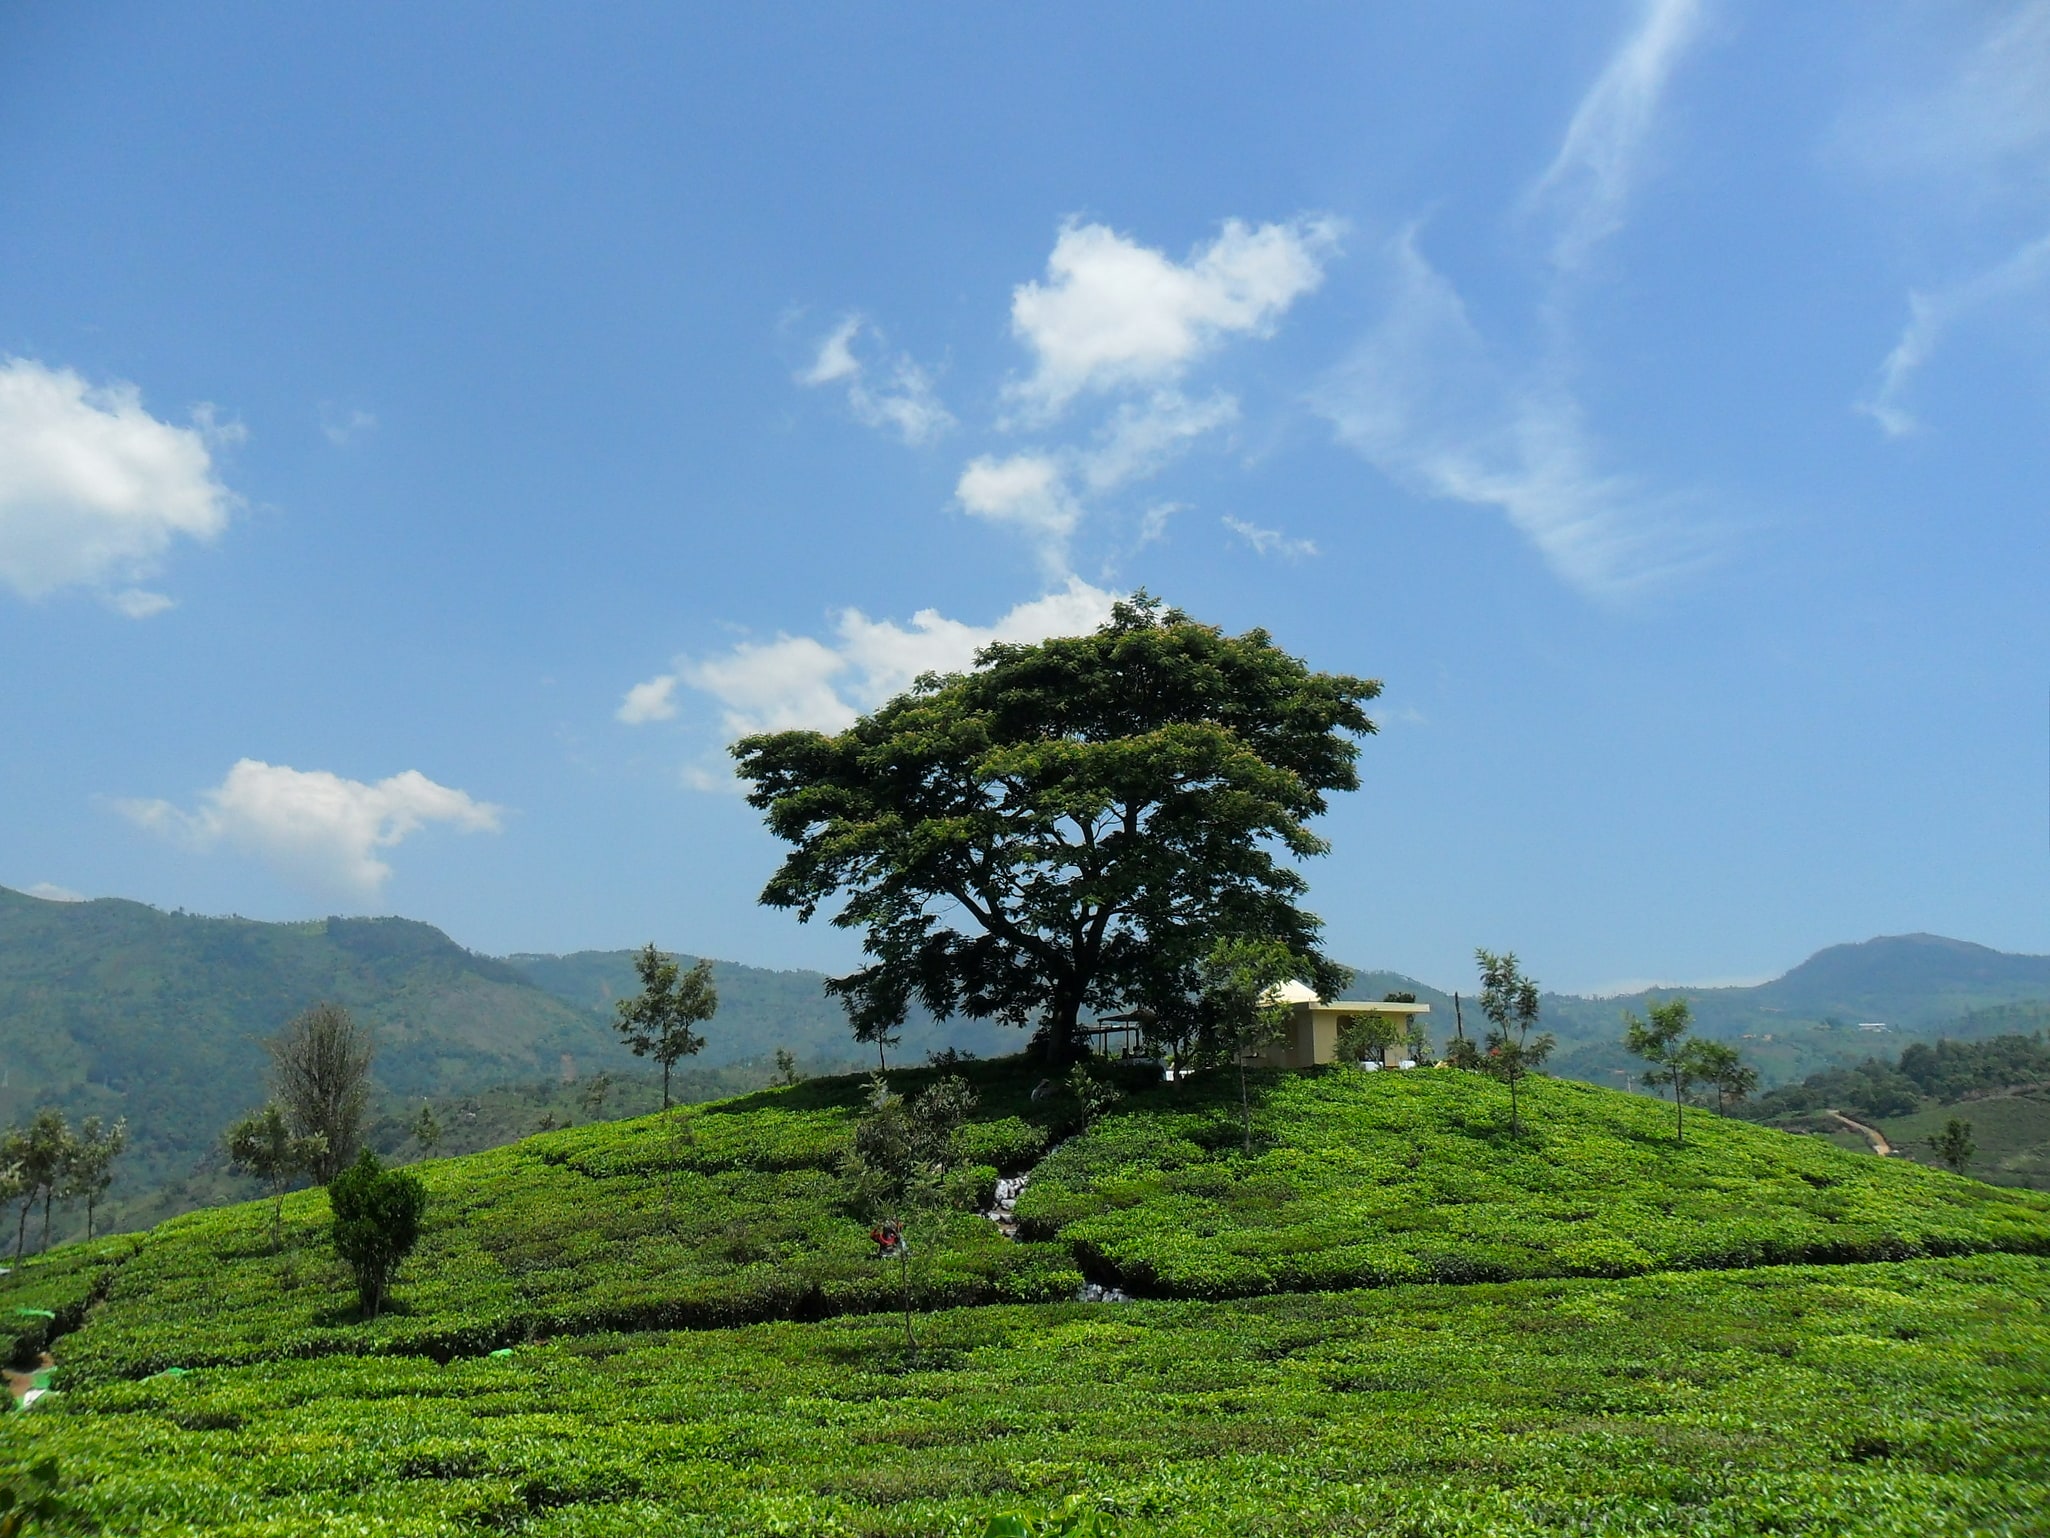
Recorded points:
(1392, 1318)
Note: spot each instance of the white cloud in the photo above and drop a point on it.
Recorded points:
(1270, 541)
(1028, 492)
(1932, 316)
(137, 603)
(802, 683)
(1426, 403)
(905, 404)
(313, 827)
(1113, 313)
(50, 892)
(339, 426)
(1979, 143)
(1142, 437)
(1590, 180)
(654, 700)
(93, 489)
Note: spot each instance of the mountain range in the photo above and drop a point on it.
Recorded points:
(117, 1008)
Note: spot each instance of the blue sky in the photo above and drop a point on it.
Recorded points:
(426, 437)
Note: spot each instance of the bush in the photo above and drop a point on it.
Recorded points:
(377, 1223)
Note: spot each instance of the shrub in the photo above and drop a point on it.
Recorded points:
(377, 1223)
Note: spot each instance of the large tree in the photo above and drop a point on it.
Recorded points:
(1070, 825)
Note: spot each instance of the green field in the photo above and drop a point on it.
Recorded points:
(694, 1339)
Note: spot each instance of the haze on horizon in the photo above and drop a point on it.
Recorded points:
(427, 439)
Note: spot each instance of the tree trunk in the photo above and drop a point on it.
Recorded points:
(90, 1202)
(49, 1192)
(665, 1086)
(1060, 1028)
(21, 1230)
(1679, 1116)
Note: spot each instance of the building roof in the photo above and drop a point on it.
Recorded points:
(1295, 992)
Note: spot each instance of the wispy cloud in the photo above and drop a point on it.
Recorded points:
(50, 892)
(1270, 541)
(1423, 399)
(1429, 402)
(1587, 187)
(340, 426)
(1932, 316)
(904, 402)
(1981, 136)
(314, 828)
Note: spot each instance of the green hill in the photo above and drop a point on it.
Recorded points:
(732, 1212)
(1841, 1005)
(115, 1008)
(672, 1326)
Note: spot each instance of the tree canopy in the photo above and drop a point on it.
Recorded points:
(1071, 825)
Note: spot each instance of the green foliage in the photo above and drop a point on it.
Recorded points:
(28, 1500)
(1942, 1072)
(1510, 1052)
(1369, 1179)
(1070, 825)
(320, 1075)
(1670, 1059)
(619, 1225)
(263, 1145)
(1238, 979)
(657, 1021)
(427, 1129)
(1953, 1145)
(1093, 1096)
(377, 1215)
(1886, 1401)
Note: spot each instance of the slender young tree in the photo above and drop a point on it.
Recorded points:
(90, 1170)
(1239, 982)
(657, 1022)
(1510, 1053)
(1070, 825)
(263, 1145)
(38, 1154)
(320, 1075)
(1669, 1057)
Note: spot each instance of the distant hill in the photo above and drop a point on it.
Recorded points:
(121, 1009)
(760, 1009)
(1840, 1006)
(116, 1008)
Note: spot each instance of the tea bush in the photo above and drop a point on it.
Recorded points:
(1899, 1399)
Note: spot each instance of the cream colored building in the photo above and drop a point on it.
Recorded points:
(1311, 1034)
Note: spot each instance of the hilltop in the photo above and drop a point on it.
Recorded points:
(672, 1324)
(115, 1008)
(732, 1212)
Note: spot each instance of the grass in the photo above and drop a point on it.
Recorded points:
(1899, 1399)
(2012, 1133)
